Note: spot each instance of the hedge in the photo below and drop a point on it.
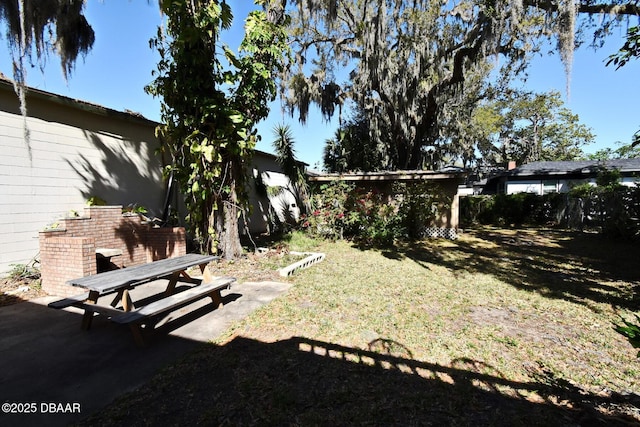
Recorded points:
(614, 210)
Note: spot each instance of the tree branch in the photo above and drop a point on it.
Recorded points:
(608, 8)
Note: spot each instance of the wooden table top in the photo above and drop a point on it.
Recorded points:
(115, 279)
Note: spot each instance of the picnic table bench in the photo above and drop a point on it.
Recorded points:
(138, 316)
(123, 280)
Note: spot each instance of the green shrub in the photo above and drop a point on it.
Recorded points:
(301, 242)
(418, 206)
(372, 217)
(476, 210)
(327, 217)
(506, 210)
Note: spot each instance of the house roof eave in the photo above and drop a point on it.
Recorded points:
(388, 176)
(585, 168)
(31, 92)
(131, 116)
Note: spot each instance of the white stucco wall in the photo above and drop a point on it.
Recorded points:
(71, 154)
(281, 205)
(284, 202)
(534, 187)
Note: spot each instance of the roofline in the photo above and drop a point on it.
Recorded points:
(7, 85)
(549, 173)
(274, 157)
(588, 168)
(388, 176)
(582, 172)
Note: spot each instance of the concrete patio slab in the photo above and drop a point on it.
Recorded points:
(62, 374)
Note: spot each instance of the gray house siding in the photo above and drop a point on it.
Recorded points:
(74, 151)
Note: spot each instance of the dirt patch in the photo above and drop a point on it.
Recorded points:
(13, 291)
(516, 324)
(253, 267)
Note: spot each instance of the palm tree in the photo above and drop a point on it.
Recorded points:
(334, 157)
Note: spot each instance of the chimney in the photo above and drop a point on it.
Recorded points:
(511, 165)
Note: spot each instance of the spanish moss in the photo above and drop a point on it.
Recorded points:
(411, 66)
(566, 38)
(43, 26)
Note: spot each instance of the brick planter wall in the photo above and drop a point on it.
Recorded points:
(63, 258)
(69, 251)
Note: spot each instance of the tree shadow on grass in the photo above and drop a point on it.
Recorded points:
(300, 381)
(583, 268)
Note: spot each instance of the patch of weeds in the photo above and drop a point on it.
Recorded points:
(301, 242)
(509, 341)
(23, 272)
(632, 372)
(134, 209)
(630, 330)
(277, 260)
(22, 283)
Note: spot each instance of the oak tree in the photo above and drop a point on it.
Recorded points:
(538, 127)
(407, 64)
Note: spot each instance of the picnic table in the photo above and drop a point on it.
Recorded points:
(123, 280)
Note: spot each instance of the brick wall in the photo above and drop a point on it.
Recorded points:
(69, 251)
(63, 258)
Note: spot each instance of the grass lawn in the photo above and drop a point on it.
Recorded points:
(501, 327)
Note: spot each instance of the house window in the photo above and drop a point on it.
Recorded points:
(549, 186)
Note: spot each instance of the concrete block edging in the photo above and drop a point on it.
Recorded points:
(311, 259)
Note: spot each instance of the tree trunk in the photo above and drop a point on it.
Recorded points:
(226, 226)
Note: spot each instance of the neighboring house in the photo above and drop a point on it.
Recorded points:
(73, 151)
(559, 177)
(448, 181)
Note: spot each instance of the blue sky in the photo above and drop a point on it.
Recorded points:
(115, 72)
